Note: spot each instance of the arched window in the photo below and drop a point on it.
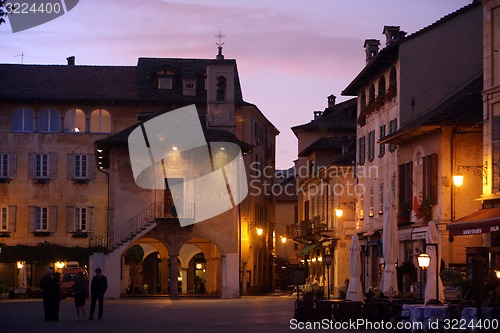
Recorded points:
(393, 84)
(49, 120)
(23, 121)
(371, 94)
(362, 102)
(381, 86)
(74, 121)
(100, 121)
(221, 88)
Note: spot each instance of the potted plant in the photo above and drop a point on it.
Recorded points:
(424, 212)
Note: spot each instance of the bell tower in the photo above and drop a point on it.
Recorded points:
(220, 91)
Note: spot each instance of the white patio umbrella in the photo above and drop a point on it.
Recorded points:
(390, 248)
(432, 237)
(355, 291)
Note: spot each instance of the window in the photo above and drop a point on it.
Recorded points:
(81, 166)
(381, 198)
(23, 121)
(165, 80)
(221, 88)
(4, 219)
(371, 145)
(42, 219)
(7, 165)
(393, 126)
(393, 84)
(406, 185)
(49, 120)
(381, 151)
(8, 219)
(496, 45)
(42, 166)
(361, 153)
(371, 94)
(79, 219)
(381, 86)
(74, 121)
(430, 178)
(100, 121)
(361, 207)
(306, 210)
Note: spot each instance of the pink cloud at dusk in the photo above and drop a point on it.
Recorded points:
(291, 54)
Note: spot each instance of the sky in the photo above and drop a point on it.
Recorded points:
(291, 54)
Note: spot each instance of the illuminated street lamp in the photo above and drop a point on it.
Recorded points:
(424, 261)
(458, 180)
(327, 259)
(260, 231)
(339, 212)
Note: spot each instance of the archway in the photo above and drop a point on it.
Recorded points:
(201, 267)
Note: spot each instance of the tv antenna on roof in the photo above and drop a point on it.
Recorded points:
(22, 57)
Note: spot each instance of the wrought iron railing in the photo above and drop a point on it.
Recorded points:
(145, 218)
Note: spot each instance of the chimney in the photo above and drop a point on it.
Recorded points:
(392, 34)
(317, 114)
(71, 61)
(331, 101)
(371, 49)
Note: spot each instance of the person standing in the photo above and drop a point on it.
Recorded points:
(57, 296)
(98, 288)
(81, 289)
(47, 284)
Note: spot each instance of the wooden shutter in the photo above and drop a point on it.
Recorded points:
(91, 166)
(52, 227)
(12, 165)
(31, 218)
(12, 218)
(90, 219)
(31, 165)
(52, 165)
(71, 166)
(70, 219)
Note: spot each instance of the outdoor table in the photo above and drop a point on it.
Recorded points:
(426, 314)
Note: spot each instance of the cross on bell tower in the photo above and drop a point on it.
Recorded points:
(219, 44)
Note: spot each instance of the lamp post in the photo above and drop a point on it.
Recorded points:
(327, 259)
(423, 262)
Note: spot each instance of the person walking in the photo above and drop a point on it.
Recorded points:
(48, 285)
(98, 288)
(81, 290)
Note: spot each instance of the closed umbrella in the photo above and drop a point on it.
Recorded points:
(354, 291)
(432, 237)
(390, 249)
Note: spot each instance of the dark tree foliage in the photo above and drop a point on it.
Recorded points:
(135, 253)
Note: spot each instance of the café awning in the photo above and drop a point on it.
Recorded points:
(306, 249)
(480, 222)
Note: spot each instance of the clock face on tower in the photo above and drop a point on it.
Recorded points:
(220, 115)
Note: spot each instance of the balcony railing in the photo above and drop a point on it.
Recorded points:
(140, 222)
